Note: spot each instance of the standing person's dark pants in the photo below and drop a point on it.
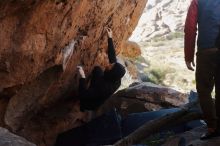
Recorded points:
(208, 76)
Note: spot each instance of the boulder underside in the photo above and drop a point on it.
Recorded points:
(42, 42)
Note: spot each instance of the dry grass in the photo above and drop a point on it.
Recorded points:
(167, 65)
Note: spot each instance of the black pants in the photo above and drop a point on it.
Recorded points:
(208, 76)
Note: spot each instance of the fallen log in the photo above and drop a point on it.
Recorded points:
(149, 128)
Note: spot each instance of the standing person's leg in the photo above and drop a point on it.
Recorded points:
(217, 91)
(204, 85)
(217, 43)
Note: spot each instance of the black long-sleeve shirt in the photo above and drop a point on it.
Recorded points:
(111, 51)
(95, 95)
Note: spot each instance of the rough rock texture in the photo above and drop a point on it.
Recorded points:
(42, 42)
(191, 138)
(9, 139)
(141, 97)
(131, 49)
(3, 106)
(132, 69)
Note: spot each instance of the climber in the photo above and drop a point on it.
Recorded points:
(205, 14)
(102, 83)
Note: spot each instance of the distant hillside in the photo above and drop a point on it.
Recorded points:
(160, 35)
(160, 18)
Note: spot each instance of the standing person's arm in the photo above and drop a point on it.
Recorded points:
(111, 48)
(190, 34)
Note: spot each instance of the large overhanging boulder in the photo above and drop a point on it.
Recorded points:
(42, 42)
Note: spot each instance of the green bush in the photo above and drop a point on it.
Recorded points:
(157, 74)
(174, 35)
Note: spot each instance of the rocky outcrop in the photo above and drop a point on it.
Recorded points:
(192, 138)
(9, 139)
(42, 42)
(161, 18)
(142, 97)
(131, 49)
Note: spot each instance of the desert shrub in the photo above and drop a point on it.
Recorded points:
(174, 35)
(157, 74)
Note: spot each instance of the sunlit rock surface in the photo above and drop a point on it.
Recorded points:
(146, 96)
(42, 42)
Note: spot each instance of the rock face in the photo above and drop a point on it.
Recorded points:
(9, 139)
(131, 49)
(191, 138)
(42, 42)
(142, 97)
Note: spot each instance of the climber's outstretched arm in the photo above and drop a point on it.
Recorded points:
(111, 48)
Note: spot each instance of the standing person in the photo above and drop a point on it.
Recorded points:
(205, 13)
(217, 43)
(103, 83)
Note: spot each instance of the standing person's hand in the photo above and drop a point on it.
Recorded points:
(81, 71)
(109, 32)
(190, 65)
